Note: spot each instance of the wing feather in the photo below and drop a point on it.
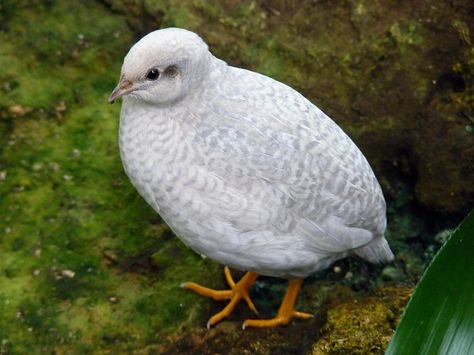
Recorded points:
(280, 154)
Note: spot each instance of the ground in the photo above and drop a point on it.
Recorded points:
(86, 266)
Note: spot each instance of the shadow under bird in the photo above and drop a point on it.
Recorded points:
(244, 169)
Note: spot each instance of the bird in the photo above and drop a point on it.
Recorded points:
(244, 170)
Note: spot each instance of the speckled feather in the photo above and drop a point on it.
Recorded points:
(243, 168)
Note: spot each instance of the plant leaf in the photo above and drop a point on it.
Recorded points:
(439, 318)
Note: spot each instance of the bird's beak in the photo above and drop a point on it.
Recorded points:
(123, 87)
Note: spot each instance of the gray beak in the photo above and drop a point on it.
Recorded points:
(123, 87)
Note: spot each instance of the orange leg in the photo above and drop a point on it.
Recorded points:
(238, 291)
(286, 311)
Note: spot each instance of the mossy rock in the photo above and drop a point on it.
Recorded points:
(76, 241)
(398, 77)
(345, 323)
(362, 325)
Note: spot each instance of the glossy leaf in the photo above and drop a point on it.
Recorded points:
(439, 319)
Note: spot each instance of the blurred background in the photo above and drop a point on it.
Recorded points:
(86, 266)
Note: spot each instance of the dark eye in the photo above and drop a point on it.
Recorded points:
(153, 74)
(172, 71)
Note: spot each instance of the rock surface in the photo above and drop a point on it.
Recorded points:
(398, 77)
(349, 324)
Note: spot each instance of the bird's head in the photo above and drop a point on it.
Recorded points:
(163, 67)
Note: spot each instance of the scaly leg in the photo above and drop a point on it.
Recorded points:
(286, 311)
(238, 291)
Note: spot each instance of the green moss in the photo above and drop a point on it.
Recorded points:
(65, 198)
(364, 325)
(407, 33)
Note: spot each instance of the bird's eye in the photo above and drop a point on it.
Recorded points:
(172, 71)
(153, 74)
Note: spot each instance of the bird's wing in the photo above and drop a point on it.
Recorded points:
(267, 141)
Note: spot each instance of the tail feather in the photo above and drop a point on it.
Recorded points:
(377, 251)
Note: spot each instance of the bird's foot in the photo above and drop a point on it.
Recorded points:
(286, 311)
(238, 291)
(280, 319)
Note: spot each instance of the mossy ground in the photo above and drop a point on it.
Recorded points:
(74, 233)
(87, 266)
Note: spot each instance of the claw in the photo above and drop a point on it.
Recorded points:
(302, 315)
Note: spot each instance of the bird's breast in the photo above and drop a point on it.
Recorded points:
(152, 149)
(166, 168)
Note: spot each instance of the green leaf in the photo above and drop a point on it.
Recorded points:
(439, 318)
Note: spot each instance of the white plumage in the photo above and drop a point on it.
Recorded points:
(243, 168)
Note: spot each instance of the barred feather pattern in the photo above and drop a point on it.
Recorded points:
(248, 172)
